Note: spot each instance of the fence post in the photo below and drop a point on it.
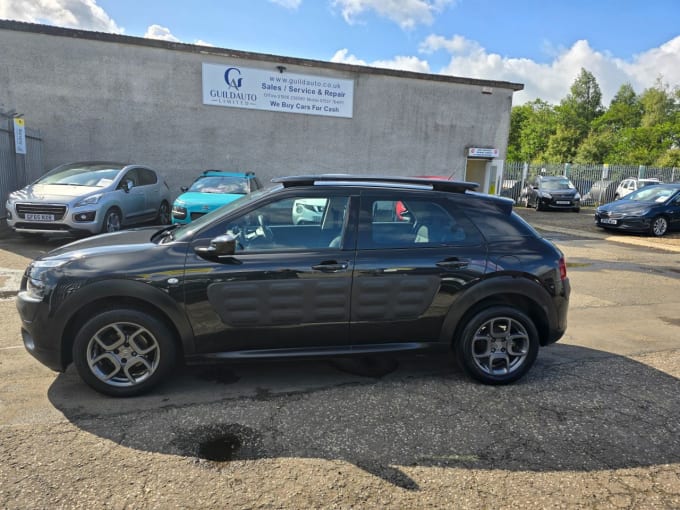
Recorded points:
(641, 171)
(567, 167)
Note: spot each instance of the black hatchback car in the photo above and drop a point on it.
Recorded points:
(547, 192)
(393, 265)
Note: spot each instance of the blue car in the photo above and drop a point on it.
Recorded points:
(212, 189)
(653, 209)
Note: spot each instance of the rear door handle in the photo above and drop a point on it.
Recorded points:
(330, 266)
(454, 263)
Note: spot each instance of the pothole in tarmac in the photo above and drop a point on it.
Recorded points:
(220, 443)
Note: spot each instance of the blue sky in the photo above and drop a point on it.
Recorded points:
(542, 44)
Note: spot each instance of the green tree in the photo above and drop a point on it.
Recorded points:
(658, 105)
(575, 114)
(624, 111)
(537, 128)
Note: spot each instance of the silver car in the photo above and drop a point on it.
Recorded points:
(89, 198)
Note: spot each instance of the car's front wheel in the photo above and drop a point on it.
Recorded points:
(164, 214)
(659, 226)
(498, 345)
(124, 352)
(112, 221)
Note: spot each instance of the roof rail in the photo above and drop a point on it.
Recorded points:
(435, 184)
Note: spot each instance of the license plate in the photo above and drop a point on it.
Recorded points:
(40, 217)
(562, 202)
(607, 221)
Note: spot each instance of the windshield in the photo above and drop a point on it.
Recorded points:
(557, 185)
(98, 176)
(221, 184)
(657, 193)
(188, 230)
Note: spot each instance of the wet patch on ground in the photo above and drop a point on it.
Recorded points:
(220, 443)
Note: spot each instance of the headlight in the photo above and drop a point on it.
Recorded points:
(547, 195)
(36, 276)
(577, 196)
(92, 199)
(179, 212)
(637, 212)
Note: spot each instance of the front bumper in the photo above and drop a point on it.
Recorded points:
(630, 224)
(42, 343)
(561, 203)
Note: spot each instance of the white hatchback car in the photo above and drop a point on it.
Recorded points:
(89, 198)
(633, 184)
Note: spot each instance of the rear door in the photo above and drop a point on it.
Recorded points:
(409, 266)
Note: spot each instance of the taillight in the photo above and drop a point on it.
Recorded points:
(563, 269)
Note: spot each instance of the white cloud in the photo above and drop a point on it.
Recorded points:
(413, 64)
(83, 14)
(551, 81)
(406, 13)
(163, 33)
(159, 32)
(288, 4)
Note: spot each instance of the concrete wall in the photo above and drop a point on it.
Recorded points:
(107, 97)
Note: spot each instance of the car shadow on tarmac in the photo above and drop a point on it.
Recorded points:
(578, 409)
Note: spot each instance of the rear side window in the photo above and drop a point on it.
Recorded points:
(496, 225)
(146, 177)
(406, 220)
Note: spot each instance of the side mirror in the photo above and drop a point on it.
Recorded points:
(127, 185)
(184, 189)
(224, 245)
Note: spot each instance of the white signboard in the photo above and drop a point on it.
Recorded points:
(259, 89)
(19, 136)
(482, 152)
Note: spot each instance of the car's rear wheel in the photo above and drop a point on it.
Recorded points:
(164, 214)
(124, 352)
(498, 345)
(659, 226)
(112, 221)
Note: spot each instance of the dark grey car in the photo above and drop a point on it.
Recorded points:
(551, 192)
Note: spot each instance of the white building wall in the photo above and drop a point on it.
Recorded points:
(107, 97)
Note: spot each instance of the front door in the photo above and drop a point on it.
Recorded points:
(288, 284)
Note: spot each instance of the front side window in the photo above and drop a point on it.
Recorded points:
(300, 222)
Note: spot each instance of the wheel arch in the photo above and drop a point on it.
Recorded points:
(522, 294)
(106, 295)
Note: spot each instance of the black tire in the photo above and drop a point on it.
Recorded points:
(511, 328)
(123, 352)
(538, 205)
(112, 221)
(163, 217)
(576, 209)
(659, 226)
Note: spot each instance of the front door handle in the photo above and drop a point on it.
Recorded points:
(453, 263)
(331, 266)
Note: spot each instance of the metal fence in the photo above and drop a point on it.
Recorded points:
(596, 183)
(17, 170)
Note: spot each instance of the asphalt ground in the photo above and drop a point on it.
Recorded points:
(595, 424)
